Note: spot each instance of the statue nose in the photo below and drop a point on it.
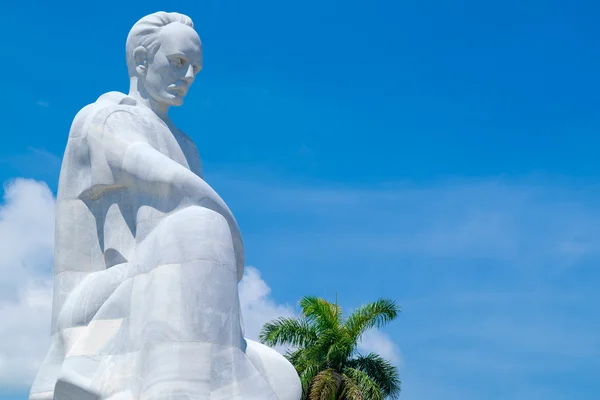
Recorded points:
(189, 75)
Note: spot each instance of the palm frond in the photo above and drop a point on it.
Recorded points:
(297, 332)
(369, 388)
(339, 351)
(350, 389)
(372, 315)
(304, 359)
(381, 371)
(324, 314)
(324, 351)
(307, 377)
(325, 385)
(297, 358)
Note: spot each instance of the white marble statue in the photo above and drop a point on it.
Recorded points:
(148, 256)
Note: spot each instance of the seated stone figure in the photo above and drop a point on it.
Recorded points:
(148, 256)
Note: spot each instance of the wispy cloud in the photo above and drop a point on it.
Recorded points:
(35, 163)
(497, 278)
(499, 219)
(42, 103)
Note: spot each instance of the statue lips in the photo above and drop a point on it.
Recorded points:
(178, 89)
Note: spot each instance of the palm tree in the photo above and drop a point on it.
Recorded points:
(325, 352)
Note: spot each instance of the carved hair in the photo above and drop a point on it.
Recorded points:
(146, 33)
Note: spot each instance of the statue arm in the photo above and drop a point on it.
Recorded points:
(138, 165)
(144, 166)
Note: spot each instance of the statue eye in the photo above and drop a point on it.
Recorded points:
(178, 61)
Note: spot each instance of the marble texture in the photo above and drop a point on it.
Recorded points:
(148, 257)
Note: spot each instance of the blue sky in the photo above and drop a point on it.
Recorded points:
(443, 154)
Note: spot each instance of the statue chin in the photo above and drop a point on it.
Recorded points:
(164, 100)
(168, 99)
(148, 258)
(177, 101)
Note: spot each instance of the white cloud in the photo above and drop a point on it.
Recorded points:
(27, 232)
(42, 103)
(378, 342)
(24, 333)
(27, 229)
(257, 307)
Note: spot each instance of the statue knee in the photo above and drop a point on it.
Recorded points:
(195, 233)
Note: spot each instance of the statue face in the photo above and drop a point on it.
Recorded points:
(170, 74)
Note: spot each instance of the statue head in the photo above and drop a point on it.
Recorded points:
(164, 54)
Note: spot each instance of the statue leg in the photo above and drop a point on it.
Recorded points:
(43, 385)
(277, 370)
(176, 314)
(190, 303)
(66, 390)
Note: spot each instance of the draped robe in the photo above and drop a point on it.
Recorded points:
(147, 262)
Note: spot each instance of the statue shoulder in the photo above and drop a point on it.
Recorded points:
(93, 117)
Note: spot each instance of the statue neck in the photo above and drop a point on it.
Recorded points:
(138, 92)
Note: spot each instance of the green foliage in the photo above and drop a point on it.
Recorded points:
(325, 350)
